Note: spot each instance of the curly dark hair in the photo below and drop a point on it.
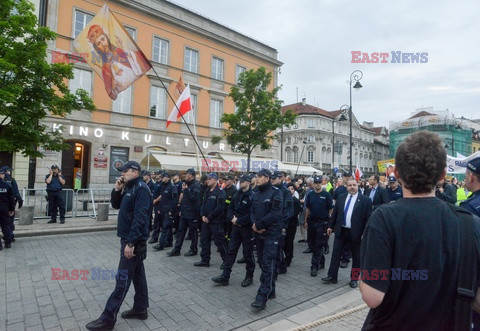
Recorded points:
(420, 161)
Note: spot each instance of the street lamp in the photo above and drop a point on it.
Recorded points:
(301, 155)
(344, 110)
(354, 77)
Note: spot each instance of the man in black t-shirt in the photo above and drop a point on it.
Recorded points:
(410, 253)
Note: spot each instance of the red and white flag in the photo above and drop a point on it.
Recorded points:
(358, 173)
(183, 106)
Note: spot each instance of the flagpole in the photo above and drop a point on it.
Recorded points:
(196, 148)
(184, 121)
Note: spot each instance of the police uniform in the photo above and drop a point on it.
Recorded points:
(189, 210)
(229, 194)
(167, 204)
(212, 208)
(394, 194)
(134, 203)
(176, 216)
(241, 234)
(18, 198)
(267, 215)
(472, 204)
(55, 197)
(157, 221)
(7, 204)
(151, 186)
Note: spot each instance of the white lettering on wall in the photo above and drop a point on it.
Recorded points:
(98, 133)
(57, 127)
(205, 144)
(148, 138)
(167, 141)
(221, 147)
(125, 135)
(83, 131)
(186, 141)
(71, 130)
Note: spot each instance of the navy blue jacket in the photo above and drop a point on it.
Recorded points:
(55, 184)
(10, 180)
(168, 201)
(157, 190)
(395, 195)
(241, 207)
(229, 194)
(287, 210)
(135, 203)
(190, 205)
(7, 199)
(267, 209)
(472, 204)
(213, 204)
(151, 186)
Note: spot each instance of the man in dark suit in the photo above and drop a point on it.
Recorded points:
(378, 195)
(348, 220)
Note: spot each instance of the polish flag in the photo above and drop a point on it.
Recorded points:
(358, 174)
(183, 105)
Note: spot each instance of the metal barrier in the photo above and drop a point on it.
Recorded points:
(82, 203)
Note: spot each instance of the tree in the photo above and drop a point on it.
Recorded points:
(30, 87)
(258, 113)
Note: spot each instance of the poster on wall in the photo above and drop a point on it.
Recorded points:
(118, 157)
(100, 161)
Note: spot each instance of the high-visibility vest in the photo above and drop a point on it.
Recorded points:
(461, 195)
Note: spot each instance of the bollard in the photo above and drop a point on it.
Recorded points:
(25, 215)
(102, 212)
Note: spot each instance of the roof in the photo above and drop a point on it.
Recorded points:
(306, 109)
(421, 114)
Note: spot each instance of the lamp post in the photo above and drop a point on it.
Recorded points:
(354, 77)
(301, 155)
(344, 110)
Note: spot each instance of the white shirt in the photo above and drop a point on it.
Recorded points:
(349, 212)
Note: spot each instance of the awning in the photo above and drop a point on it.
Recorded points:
(177, 162)
(302, 169)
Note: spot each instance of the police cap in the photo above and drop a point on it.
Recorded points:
(474, 165)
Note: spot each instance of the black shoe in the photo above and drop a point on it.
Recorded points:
(62, 221)
(272, 296)
(247, 282)
(242, 260)
(223, 266)
(326, 250)
(314, 272)
(302, 241)
(329, 280)
(190, 253)
(52, 221)
(353, 284)
(308, 251)
(168, 245)
(99, 325)
(258, 305)
(220, 280)
(151, 241)
(343, 264)
(201, 264)
(8, 245)
(135, 314)
(158, 247)
(173, 252)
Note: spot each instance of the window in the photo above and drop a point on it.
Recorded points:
(132, 32)
(217, 68)
(81, 79)
(310, 158)
(191, 60)
(216, 110)
(310, 139)
(288, 153)
(190, 117)
(123, 102)
(295, 154)
(81, 20)
(289, 140)
(238, 71)
(160, 50)
(158, 102)
(311, 123)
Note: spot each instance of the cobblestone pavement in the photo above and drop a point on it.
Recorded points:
(353, 321)
(182, 297)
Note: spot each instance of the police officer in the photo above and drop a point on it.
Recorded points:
(319, 206)
(18, 198)
(7, 210)
(178, 184)
(230, 191)
(189, 212)
(147, 178)
(166, 207)
(472, 183)
(239, 216)
(132, 196)
(212, 216)
(394, 190)
(157, 221)
(55, 182)
(287, 213)
(267, 222)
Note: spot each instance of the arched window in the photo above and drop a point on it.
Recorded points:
(288, 154)
(295, 154)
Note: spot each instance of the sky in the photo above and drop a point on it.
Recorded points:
(315, 38)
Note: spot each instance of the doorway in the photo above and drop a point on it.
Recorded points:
(76, 160)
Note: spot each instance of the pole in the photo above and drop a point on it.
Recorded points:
(333, 144)
(351, 135)
(300, 159)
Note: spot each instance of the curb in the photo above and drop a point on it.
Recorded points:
(330, 318)
(57, 231)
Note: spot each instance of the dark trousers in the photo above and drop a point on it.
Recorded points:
(228, 229)
(289, 239)
(6, 227)
(280, 262)
(267, 247)
(310, 237)
(209, 231)
(12, 224)
(157, 224)
(136, 273)
(167, 224)
(338, 245)
(192, 226)
(56, 202)
(241, 235)
(318, 230)
(346, 254)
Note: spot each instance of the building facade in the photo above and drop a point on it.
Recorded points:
(180, 44)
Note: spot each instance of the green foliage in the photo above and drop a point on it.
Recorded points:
(30, 87)
(258, 113)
